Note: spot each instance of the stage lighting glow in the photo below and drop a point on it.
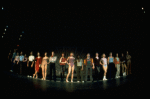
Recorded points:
(22, 31)
(2, 8)
(19, 38)
(2, 36)
(142, 8)
(20, 35)
(5, 29)
(7, 26)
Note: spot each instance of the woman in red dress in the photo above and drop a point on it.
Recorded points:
(38, 61)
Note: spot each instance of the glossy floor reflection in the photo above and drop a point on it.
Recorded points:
(21, 85)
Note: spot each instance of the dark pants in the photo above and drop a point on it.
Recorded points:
(97, 73)
(30, 69)
(20, 67)
(79, 73)
(24, 68)
(12, 65)
(111, 70)
(62, 71)
(52, 67)
(86, 73)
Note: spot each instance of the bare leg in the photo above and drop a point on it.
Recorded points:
(45, 72)
(72, 73)
(69, 70)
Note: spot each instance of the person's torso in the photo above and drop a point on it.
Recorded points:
(63, 60)
(79, 62)
(71, 60)
(117, 60)
(53, 59)
(89, 61)
(96, 61)
(104, 61)
(111, 59)
(21, 58)
(31, 58)
(38, 59)
(16, 58)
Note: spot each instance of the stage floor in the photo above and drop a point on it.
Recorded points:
(17, 85)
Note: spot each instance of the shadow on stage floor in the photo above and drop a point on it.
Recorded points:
(17, 85)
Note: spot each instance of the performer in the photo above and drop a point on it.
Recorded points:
(16, 61)
(9, 60)
(21, 58)
(62, 62)
(44, 66)
(117, 65)
(24, 69)
(128, 57)
(30, 65)
(71, 60)
(38, 61)
(13, 57)
(111, 66)
(123, 64)
(79, 69)
(103, 62)
(52, 61)
(97, 67)
(89, 65)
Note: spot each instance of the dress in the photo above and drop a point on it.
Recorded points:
(71, 61)
(37, 63)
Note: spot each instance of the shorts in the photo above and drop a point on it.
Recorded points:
(105, 65)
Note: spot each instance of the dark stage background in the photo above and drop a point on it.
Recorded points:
(79, 28)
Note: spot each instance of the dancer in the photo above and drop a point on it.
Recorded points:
(52, 61)
(128, 57)
(97, 67)
(111, 66)
(117, 65)
(13, 57)
(123, 64)
(38, 61)
(71, 66)
(88, 62)
(79, 69)
(30, 65)
(62, 62)
(103, 62)
(16, 61)
(24, 69)
(21, 58)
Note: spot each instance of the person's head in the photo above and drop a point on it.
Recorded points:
(14, 50)
(38, 53)
(103, 55)
(78, 56)
(96, 54)
(127, 52)
(71, 54)
(45, 53)
(62, 55)
(122, 54)
(31, 53)
(88, 55)
(52, 53)
(110, 54)
(116, 54)
(25, 55)
(21, 53)
(17, 54)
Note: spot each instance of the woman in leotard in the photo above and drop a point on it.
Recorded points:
(103, 62)
(38, 61)
(44, 66)
(71, 60)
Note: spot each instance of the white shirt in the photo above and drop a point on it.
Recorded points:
(53, 59)
(104, 61)
(79, 63)
(31, 58)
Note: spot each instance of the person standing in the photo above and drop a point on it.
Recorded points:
(16, 65)
(30, 65)
(111, 66)
(52, 61)
(103, 62)
(79, 69)
(13, 57)
(128, 57)
(117, 65)
(44, 66)
(88, 62)
(62, 62)
(97, 67)
(71, 67)
(38, 61)
(123, 64)
(21, 58)
(24, 69)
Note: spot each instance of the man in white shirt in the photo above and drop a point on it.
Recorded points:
(52, 61)
(30, 68)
